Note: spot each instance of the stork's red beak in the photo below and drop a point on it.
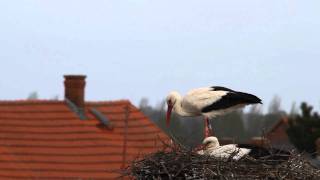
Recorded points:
(170, 106)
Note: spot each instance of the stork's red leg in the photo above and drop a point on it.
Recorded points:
(207, 128)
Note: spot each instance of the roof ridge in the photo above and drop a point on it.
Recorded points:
(30, 101)
(39, 101)
(121, 101)
(283, 119)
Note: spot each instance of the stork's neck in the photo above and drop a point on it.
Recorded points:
(178, 107)
(213, 146)
(210, 148)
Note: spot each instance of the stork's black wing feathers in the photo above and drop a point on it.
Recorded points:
(256, 151)
(232, 98)
(267, 153)
(220, 88)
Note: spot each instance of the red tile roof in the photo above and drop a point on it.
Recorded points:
(277, 135)
(46, 140)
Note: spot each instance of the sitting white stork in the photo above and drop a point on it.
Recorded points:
(209, 102)
(213, 148)
(237, 151)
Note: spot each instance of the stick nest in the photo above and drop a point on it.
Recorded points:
(177, 163)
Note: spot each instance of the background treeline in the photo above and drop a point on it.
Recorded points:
(238, 125)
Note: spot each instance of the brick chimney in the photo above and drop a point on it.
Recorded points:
(74, 89)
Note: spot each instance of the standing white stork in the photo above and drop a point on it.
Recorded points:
(208, 102)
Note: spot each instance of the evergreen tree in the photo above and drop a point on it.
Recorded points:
(275, 105)
(33, 95)
(304, 129)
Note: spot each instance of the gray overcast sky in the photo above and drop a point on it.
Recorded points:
(146, 48)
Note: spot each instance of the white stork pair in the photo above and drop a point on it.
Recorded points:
(208, 102)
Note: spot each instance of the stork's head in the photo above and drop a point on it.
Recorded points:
(171, 101)
(210, 142)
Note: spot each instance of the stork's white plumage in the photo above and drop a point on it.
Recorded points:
(213, 148)
(209, 102)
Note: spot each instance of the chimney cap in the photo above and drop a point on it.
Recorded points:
(75, 76)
